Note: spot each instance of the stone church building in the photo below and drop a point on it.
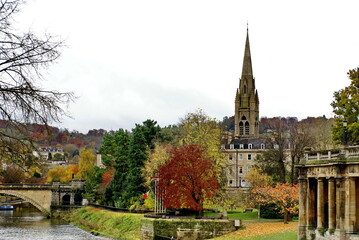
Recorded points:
(244, 144)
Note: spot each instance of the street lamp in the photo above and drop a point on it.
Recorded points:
(345, 132)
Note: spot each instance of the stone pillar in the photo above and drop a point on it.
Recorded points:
(72, 198)
(350, 205)
(310, 204)
(320, 203)
(331, 204)
(340, 204)
(303, 189)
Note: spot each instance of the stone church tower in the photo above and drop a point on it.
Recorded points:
(246, 117)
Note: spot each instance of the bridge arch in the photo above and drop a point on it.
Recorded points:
(35, 202)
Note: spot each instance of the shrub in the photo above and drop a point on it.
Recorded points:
(270, 211)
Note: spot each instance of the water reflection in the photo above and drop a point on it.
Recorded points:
(31, 224)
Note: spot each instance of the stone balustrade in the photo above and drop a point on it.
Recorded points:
(349, 152)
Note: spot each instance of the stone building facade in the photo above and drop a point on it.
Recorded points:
(329, 195)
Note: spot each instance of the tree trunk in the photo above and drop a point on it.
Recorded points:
(292, 170)
(286, 217)
(225, 213)
(259, 212)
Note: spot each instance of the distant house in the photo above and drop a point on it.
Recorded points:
(51, 155)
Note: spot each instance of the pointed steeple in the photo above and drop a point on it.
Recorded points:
(247, 101)
(247, 60)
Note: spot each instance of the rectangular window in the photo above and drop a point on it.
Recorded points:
(231, 146)
(240, 170)
(249, 157)
(241, 146)
(240, 156)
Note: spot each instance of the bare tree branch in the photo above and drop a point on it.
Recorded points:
(23, 57)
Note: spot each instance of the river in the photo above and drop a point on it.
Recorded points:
(31, 224)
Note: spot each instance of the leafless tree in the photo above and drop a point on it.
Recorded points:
(23, 56)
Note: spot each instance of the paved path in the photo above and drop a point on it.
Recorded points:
(256, 229)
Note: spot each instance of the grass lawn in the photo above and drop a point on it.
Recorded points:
(289, 235)
(239, 214)
(263, 231)
(113, 224)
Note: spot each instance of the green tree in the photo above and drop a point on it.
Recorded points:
(150, 132)
(86, 163)
(58, 156)
(115, 190)
(346, 107)
(92, 186)
(170, 134)
(137, 156)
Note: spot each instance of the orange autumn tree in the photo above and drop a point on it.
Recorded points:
(107, 177)
(284, 195)
(187, 179)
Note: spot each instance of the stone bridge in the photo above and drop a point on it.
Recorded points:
(44, 196)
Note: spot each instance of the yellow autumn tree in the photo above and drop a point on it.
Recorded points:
(257, 178)
(157, 158)
(200, 129)
(63, 174)
(86, 163)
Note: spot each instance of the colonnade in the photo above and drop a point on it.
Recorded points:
(329, 203)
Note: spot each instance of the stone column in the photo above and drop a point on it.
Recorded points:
(310, 211)
(303, 189)
(331, 204)
(350, 205)
(320, 203)
(340, 203)
(72, 198)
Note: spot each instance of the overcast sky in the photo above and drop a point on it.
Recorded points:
(129, 61)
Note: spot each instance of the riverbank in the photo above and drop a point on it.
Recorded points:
(112, 224)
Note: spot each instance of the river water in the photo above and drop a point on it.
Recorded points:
(32, 224)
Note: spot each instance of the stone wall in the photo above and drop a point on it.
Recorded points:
(185, 229)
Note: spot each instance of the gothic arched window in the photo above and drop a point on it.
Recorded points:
(247, 128)
(241, 128)
(245, 89)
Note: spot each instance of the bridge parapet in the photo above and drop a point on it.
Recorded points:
(25, 186)
(43, 196)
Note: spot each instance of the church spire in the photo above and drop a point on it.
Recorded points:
(247, 101)
(247, 60)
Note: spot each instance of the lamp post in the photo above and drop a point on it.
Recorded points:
(345, 132)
